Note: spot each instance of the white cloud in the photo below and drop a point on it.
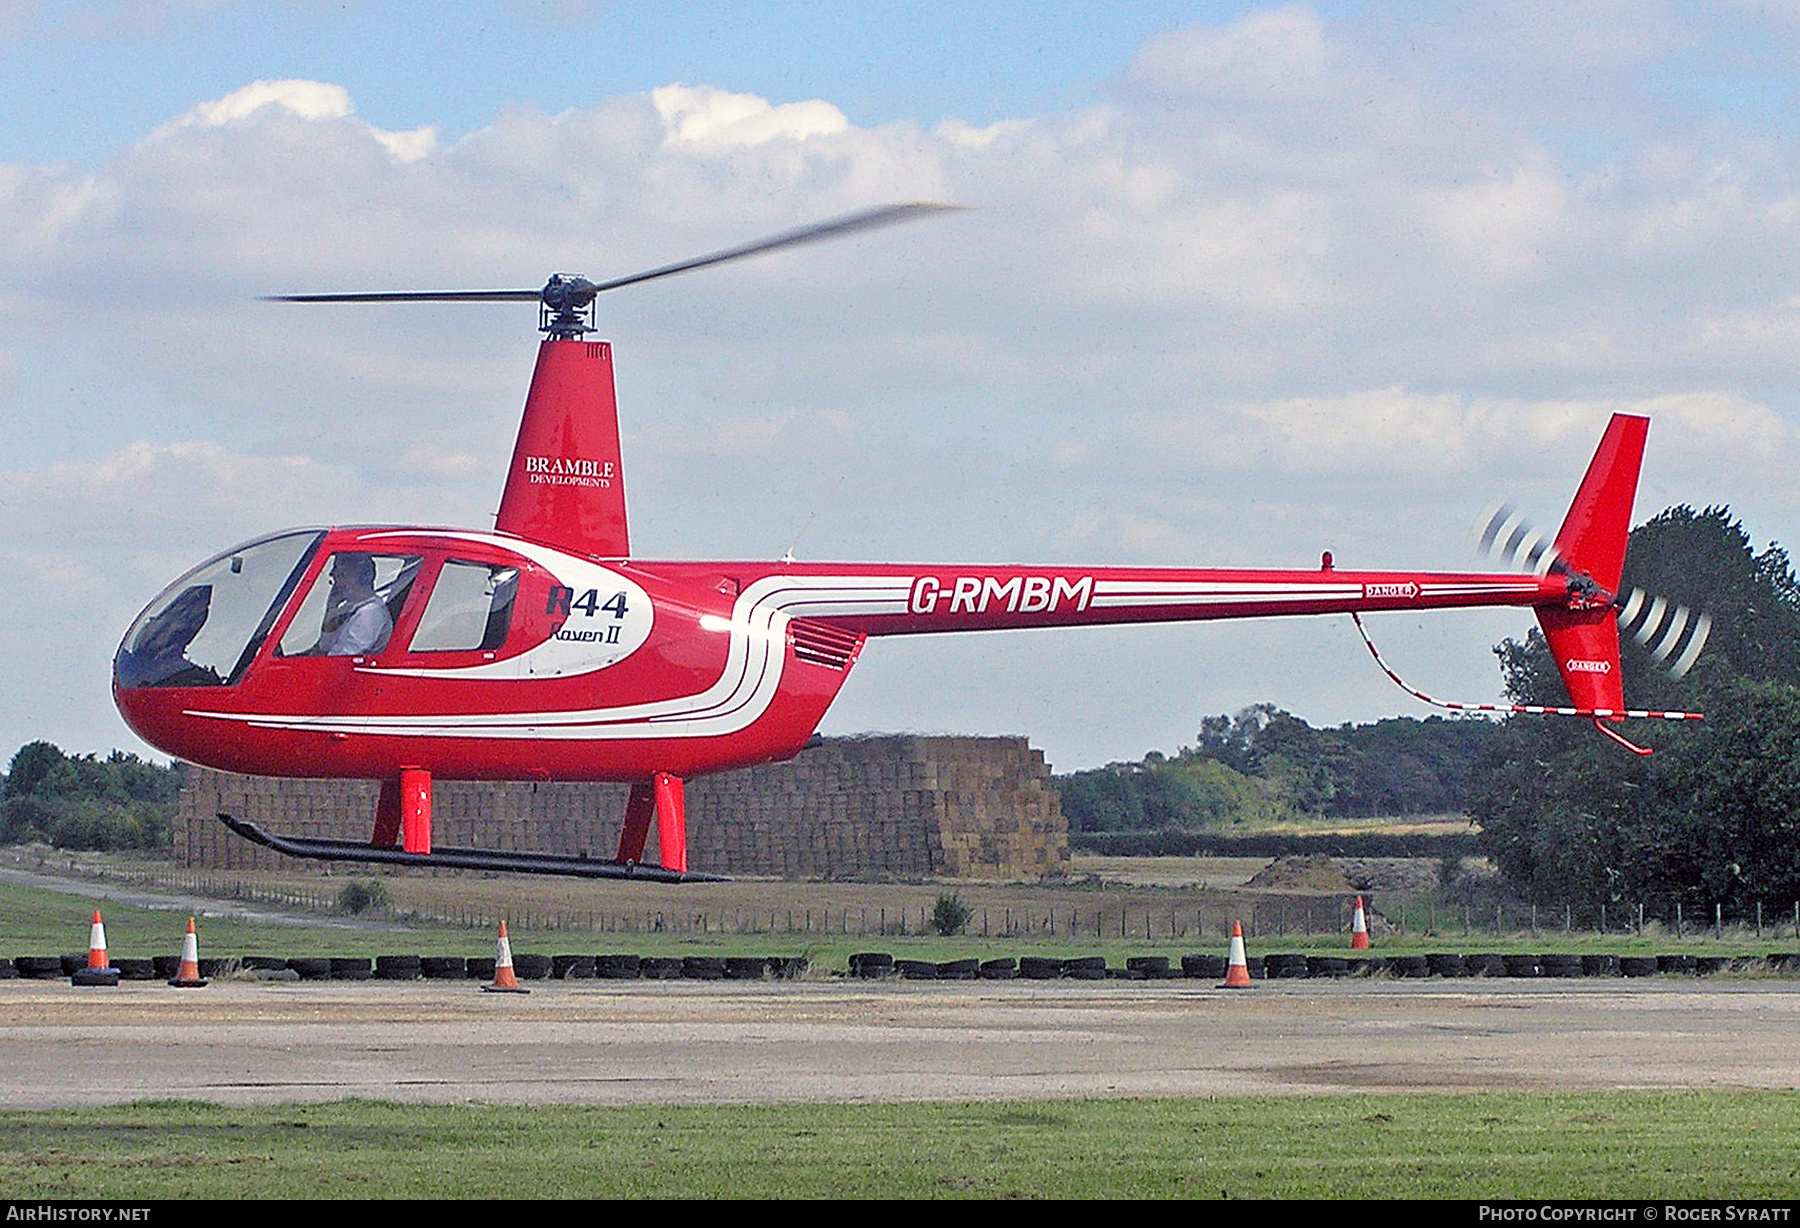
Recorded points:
(318, 101)
(703, 115)
(1263, 57)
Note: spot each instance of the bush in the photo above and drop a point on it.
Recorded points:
(361, 894)
(950, 915)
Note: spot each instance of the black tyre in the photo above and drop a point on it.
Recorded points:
(443, 967)
(959, 970)
(343, 968)
(1637, 965)
(1154, 966)
(660, 968)
(703, 968)
(397, 968)
(531, 967)
(1559, 965)
(38, 967)
(1203, 967)
(871, 964)
(1327, 965)
(788, 967)
(1678, 965)
(572, 967)
(1520, 965)
(1412, 967)
(916, 969)
(745, 967)
(1284, 966)
(1038, 968)
(1599, 965)
(1446, 963)
(135, 969)
(999, 969)
(618, 967)
(1085, 968)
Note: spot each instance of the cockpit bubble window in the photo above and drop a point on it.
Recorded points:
(205, 628)
(470, 608)
(352, 607)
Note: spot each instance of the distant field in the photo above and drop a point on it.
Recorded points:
(1636, 1145)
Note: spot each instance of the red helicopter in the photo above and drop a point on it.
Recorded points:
(542, 650)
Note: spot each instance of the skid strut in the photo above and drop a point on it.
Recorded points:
(463, 858)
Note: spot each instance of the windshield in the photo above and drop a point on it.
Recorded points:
(204, 628)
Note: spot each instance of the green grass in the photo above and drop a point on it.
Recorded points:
(1621, 1145)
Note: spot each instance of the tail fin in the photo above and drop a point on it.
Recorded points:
(566, 486)
(1591, 546)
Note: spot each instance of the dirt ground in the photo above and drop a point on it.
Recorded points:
(690, 1042)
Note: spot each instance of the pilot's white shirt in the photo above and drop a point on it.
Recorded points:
(364, 629)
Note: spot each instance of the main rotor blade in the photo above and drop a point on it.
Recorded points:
(577, 293)
(409, 296)
(869, 219)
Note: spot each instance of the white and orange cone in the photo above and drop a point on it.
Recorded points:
(1359, 928)
(187, 976)
(99, 970)
(504, 980)
(1237, 972)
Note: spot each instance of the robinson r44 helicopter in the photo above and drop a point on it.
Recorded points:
(542, 650)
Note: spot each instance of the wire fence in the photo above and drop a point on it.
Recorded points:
(1185, 918)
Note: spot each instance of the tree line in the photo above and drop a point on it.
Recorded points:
(85, 802)
(1266, 765)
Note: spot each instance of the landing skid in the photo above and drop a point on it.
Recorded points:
(463, 859)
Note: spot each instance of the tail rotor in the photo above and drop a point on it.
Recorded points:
(1672, 633)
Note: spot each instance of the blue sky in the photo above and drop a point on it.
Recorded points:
(1239, 283)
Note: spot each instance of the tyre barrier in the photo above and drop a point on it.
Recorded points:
(869, 965)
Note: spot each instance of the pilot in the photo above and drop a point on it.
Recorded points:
(356, 618)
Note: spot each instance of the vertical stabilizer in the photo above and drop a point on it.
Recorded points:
(1593, 535)
(566, 485)
(1591, 543)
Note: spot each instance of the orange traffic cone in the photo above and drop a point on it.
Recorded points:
(188, 975)
(98, 970)
(504, 980)
(1237, 974)
(1359, 928)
